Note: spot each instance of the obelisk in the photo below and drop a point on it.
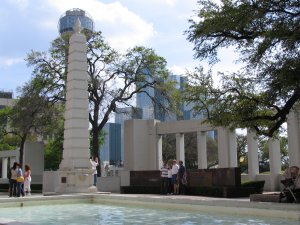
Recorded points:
(75, 171)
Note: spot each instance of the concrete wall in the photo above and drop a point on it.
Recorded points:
(50, 181)
(109, 184)
(139, 151)
(34, 157)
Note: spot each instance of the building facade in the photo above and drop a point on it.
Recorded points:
(6, 99)
(111, 150)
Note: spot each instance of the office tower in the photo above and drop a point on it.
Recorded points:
(69, 18)
(111, 150)
(144, 100)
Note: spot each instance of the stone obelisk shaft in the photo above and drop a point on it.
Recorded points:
(75, 170)
(76, 134)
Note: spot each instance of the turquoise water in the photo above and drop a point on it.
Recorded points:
(92, 214)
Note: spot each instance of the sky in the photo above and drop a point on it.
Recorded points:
(158, 24)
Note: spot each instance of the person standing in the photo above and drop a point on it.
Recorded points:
(27, 180)
(170, 187)
(181, 178)
(164, 178)
(13, 181)
(20, 181)
(175, 169)
(94, 167)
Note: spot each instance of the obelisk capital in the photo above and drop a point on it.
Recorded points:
(77, 26)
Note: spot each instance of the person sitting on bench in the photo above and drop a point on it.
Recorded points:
(291, 190)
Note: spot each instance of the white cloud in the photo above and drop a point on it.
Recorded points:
(20, 4)
(48, 24)
(170, 2)
(177, 70)
(5, 62)
(121, 28)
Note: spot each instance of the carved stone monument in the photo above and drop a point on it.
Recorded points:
(75, 171)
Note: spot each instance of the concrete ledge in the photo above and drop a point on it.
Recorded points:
(272, 197)
(205, 204)
(240, 206)
(4, 221)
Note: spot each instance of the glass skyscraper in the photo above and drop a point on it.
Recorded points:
(111, 150)
(68, 20)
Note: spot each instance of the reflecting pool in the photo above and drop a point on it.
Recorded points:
(85, 213)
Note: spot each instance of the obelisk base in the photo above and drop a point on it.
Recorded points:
(76, 181)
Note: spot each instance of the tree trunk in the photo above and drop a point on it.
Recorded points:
(95, 148)
(95, 143)
(22, 144)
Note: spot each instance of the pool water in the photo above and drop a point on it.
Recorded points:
(92, 214)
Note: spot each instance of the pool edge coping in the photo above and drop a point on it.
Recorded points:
(187, 203)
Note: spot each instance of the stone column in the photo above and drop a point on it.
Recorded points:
(227, 148)
(202, 150)
(4, 167)
(253, 164)
(275, 163)
(180, 147)
(75, 172)
(159, 158)
(293, 127)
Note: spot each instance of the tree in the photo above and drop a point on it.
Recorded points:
(212, 152)
(7, 141)
(266, 34)
(169, 147)
(114, 78)
(264, 153)
(31, 115)
(54, 151)
(242, 151)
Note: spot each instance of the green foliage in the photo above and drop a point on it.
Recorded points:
(169, 148)
(9, 142)
(264, 154)
(31, 115)
(53, 152)
(254, 183)
(4, 117)
(242, 151)
(260, 95)
(212, 152)
(191, 154)
(257, 185)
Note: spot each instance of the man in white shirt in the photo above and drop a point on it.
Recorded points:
(175, 169)
(94, 167)
(164, 178)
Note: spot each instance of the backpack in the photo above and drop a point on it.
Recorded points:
(9, 174)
